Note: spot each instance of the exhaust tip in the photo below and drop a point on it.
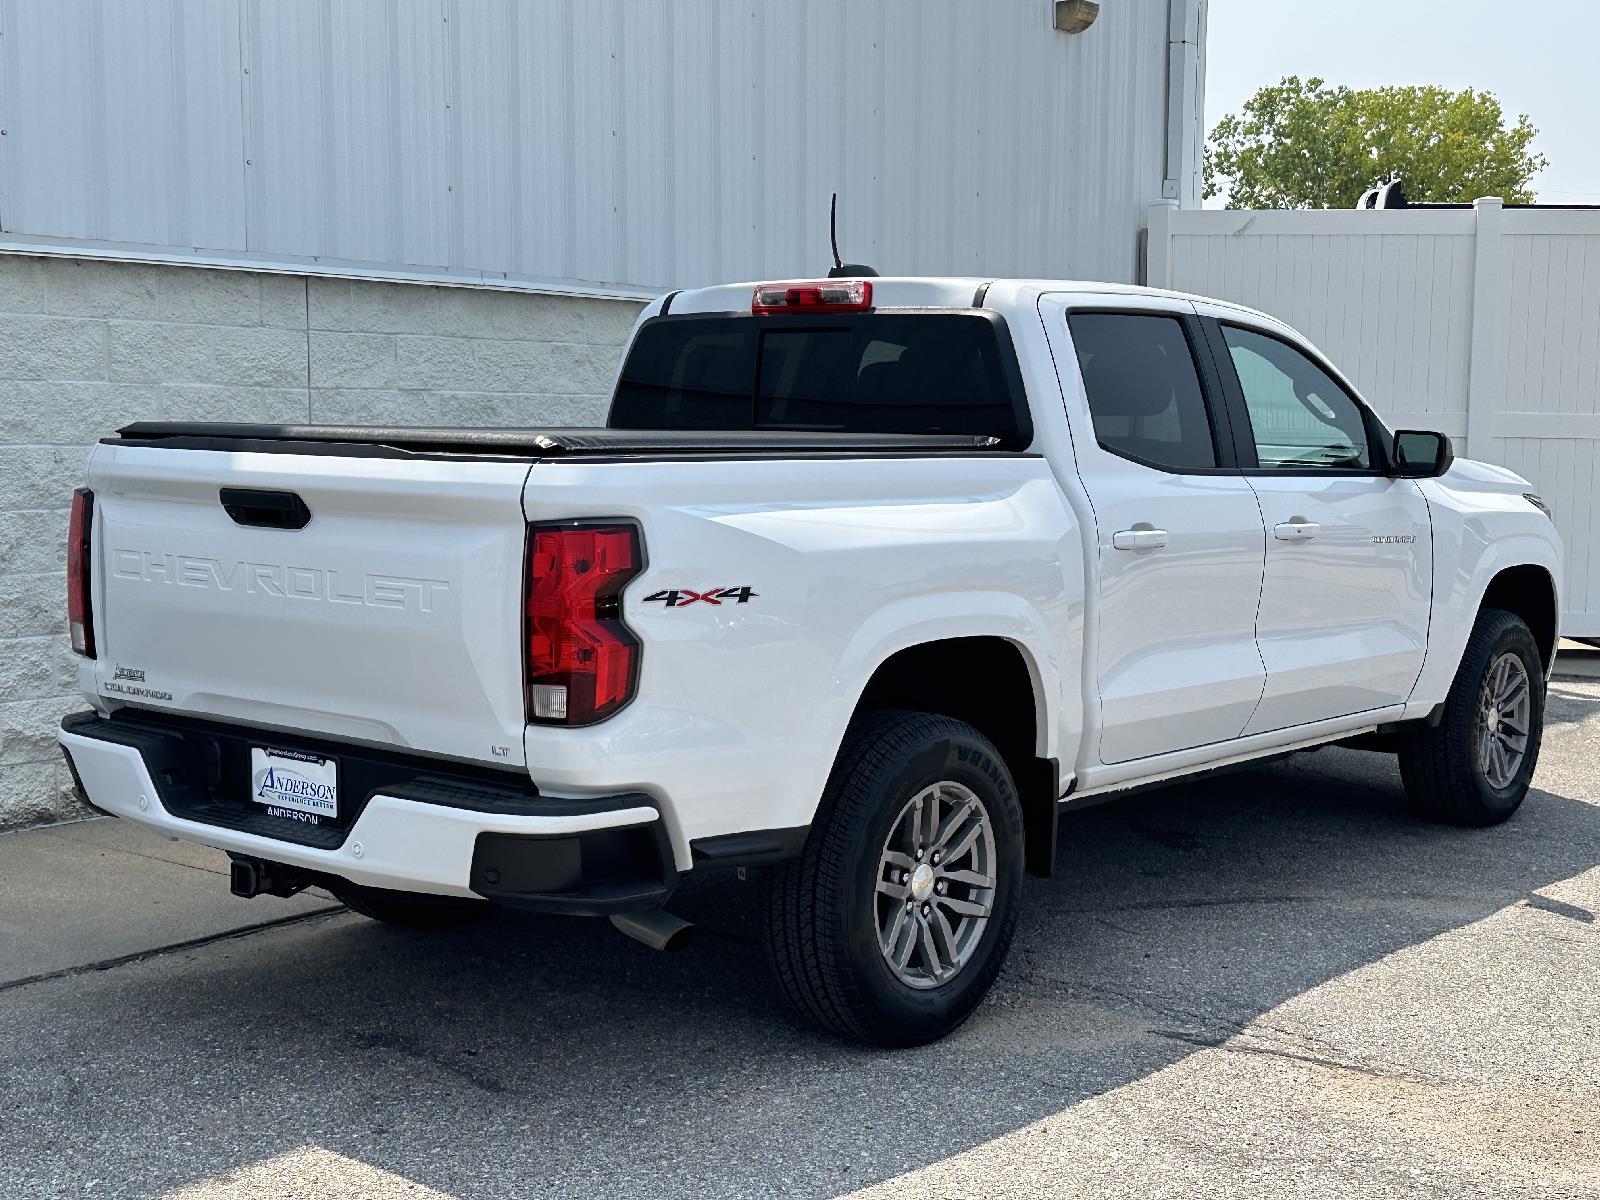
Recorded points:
(656, 928)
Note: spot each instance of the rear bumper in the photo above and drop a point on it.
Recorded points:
(596, 855)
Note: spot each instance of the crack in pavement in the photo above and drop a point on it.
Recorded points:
(1202, 902)
(122, 960)
(49, 831)
(1228, 901)
(1220, 1032)
(1229, 1045)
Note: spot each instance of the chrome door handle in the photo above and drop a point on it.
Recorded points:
(1297, 530)
(1139, 539)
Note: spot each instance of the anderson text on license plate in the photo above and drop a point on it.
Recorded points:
(298, 786)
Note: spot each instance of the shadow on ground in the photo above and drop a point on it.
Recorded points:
(547, 1056)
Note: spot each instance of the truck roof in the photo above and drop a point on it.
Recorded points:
(935, 291)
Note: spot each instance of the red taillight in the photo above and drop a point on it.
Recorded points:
(828, 295)
(582, 660)
(80, 612)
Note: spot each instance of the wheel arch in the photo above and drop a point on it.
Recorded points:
(1528, 590)
(994, 684)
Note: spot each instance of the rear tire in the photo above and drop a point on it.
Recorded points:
(1474, 768)
(410, 910)
(894, 921)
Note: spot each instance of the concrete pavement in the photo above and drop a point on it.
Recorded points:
(1271, 983)
(1578, 660)
(85, 894)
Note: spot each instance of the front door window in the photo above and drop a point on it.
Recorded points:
(1300, 417)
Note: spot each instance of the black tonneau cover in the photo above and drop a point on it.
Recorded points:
(387, 441)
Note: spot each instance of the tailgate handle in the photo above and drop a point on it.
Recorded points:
(265, 509)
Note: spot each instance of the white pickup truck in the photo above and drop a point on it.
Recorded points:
(864, 582)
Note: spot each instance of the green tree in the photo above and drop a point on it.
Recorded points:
(1307, 145)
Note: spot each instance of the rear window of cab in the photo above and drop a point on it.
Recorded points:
(946, 372)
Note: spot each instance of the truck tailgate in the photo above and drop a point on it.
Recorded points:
(393, 616)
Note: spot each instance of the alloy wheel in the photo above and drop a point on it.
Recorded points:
(1503, 714)
(935, 885)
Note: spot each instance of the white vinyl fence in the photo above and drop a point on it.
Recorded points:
(1483, 323)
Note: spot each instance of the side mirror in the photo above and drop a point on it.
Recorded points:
(1421, 454)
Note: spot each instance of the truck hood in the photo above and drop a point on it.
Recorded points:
(1469, 475)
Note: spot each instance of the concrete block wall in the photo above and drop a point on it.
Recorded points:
(87, 346)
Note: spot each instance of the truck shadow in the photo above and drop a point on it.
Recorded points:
(547, 1056)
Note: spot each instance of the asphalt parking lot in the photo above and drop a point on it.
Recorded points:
(1271, 983)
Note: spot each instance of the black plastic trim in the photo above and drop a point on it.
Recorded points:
(312, 448)
(381, 442)
(78, 789)
(264, 508)
(591, 872)
(1229, 397)
(754, 848)
(449, 794)
(582, 874)
(199, 768)
(1398, 471)
(1041, 814)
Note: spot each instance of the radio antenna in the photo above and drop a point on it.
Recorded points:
(833, 230)
(840, 268)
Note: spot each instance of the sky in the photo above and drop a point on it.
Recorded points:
(1540, 57)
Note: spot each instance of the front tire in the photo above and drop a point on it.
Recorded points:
(894, 921)
(1474, 768)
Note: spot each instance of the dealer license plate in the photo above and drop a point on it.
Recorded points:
(299, 787)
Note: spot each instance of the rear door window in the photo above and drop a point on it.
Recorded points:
(1143, 389)
(870, 373)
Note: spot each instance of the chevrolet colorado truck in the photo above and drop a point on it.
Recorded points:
(864, 582)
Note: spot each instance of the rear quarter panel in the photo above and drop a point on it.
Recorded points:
(741, 707)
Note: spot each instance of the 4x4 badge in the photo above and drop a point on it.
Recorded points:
(683, 597)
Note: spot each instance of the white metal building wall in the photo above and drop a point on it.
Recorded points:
(631, 143)
(1483, 323)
